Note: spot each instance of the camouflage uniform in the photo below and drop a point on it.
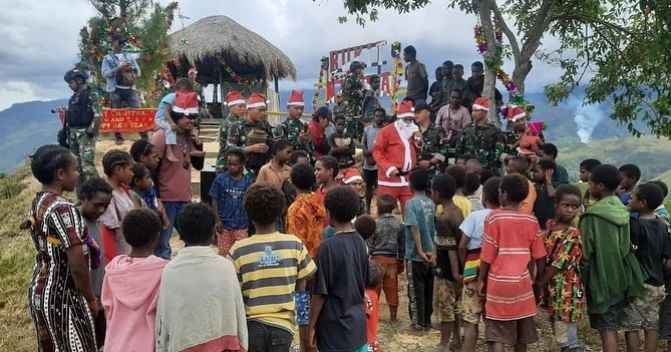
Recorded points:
(433, 146)
(339, 109)
(223, 140)
(483, 143)
(353, 96)
(83, 119)
(244, 133)
(292, 130)
(507, 140)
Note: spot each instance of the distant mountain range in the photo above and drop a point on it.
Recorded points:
(31, 124)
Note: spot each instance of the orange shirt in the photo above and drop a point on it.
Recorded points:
(269, 174)
(305, 220)
(527, 205)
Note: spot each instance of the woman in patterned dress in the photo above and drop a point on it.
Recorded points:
(61, 293)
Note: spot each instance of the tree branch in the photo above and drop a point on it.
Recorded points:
(514, 45)
(534, 35)
(590, 20)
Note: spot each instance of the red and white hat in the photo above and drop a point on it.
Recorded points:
(350, 176)
(405, 109)
(481, 103)
(296, 98)
(234, 98)
(515, 113)
(186, 103)
(257, 100)
(536, 127)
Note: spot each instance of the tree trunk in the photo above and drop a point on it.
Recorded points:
(520, 74)
(485, 13)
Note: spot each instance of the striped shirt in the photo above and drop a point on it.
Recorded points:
(268, 267)
(510, 241)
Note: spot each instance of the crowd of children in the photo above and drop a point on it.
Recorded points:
(298, 250)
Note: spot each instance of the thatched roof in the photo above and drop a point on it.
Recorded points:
(202, 43)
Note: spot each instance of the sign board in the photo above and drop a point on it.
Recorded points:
(339, 61)
(127, 120)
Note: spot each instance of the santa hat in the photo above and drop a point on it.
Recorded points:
(405, 109)
(481, 103)
(186, 103)
(257, 100)
(536, 127)
(515, 113)
(350, 176)
(296, 98)
(234, 98)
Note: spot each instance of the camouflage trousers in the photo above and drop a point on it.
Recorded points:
(354, 128)
(84, 147)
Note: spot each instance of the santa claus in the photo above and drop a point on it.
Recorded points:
(395, 153)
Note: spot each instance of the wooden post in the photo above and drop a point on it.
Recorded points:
(221, 91)
(277, 86)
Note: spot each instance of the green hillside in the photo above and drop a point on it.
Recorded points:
(652, 155)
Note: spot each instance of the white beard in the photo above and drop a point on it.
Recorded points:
(406, 130)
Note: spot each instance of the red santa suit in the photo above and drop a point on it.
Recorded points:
(395, 152)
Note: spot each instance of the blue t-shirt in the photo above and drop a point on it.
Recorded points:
(169, 99)
(419, 211)
(229, 194)
(150, 198)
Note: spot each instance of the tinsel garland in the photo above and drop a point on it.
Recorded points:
(321, 82)
(396, 75)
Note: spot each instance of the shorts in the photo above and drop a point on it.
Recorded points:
(511, 332)
(471, 303)
(642, 313)
(226, 239)
(370, 177)
(390, 280)
(609, 320)
(566, 334)
(302, 299)
(445, 299)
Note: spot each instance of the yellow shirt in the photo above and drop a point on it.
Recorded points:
(461, 202)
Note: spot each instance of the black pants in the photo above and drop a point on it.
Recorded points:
(266, 338)
(420, 294)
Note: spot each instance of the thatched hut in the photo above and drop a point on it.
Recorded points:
(224, 52)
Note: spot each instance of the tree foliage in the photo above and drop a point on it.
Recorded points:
(618, 49)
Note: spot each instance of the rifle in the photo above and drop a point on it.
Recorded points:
(62, 135)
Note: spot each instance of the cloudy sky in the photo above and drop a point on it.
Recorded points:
(40, 38)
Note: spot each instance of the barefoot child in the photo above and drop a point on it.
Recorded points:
(652, 246)
(183, 102)
(561, 278)
(511, 245)
(372, 305)
(447, 271)
(609, 268)
(131, 286)
(386, 249)
(472, 229)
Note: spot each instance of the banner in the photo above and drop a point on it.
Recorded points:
(340, 59)
(127, 120)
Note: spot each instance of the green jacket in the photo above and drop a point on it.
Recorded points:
(609, 268)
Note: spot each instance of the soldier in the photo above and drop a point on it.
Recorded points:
(517, 117)
(353, 96)
(293, 128)
(236, 110)
(370, 97)
(253, 135)
(480, 138)
(339, 106)
(83, 120)
(432, 150)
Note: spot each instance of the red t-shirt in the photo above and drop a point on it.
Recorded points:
(510, 241)
(317, 133)
(372, 309)
(174, 181)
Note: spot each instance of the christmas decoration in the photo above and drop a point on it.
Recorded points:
(321, 82)
(396, 75)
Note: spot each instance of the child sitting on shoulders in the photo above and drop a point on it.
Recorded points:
(528, 138)
(372, 306)
(564, 292)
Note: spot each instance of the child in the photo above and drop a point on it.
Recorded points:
(337, 320)
(511, 244)
(95, 196)
(143, 152)
(183, 102)
(342, 145)
(472, 229)
(305, 220)
(652, 246)
(565, 293)
(372, 305)
(447, 271)
(609, 268)
(351, 177)
(365, 226)
(419, 251)
(198, 288)
(143, 186)
(630, 176)
(471, 187)
(458, 174)
(118, 166)
(131, 287)
(519, 166)
(276, 171)
(387, 249)
(664, 332)
(586, 167)
(298, 157)
(661, 210)
(227, 192)
(271, 267)
(326, 170)
(544, 206)
(370, 134)
(528, 139)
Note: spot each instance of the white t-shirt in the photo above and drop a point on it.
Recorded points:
(474, 226)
